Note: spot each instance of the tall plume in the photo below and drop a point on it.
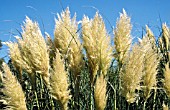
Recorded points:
(151, 61)
(31, 51)
(132, 72)
(12, 90)
(100, 92)
(97, 45)
(59, 82)
(122, 37)
(67, 42)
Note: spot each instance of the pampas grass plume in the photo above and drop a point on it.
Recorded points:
(166, 36)
(13, 91)
(151, 61)
(67, 42)
(132, 73)
(100, 92)
(97, 45)
(122, 37)
(30, 53)
(59, 82)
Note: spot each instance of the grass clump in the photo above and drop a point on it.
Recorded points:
(57, 74)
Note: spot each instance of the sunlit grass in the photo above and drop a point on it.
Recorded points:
(58, 74)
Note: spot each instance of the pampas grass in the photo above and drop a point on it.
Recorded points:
(122, 37)
(12, 90)
(15, 56)
(132, 73)
(34, 49)
(67, 42)
(100, 92)
(165, 36)
(90, 74)
(97, 45)
(99, 54)
(59, 82)
(151, 61)
(164, 45)
(30, 53)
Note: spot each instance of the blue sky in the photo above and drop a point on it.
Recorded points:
(142, 12)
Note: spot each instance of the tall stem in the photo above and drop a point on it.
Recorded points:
(144, 104)
(155, 90)
(91, 98)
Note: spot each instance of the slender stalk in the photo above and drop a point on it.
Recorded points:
(91, 98)
(42, 87)
(144, 104)
(115, 101)
(119, 82)
(155, 90)
(128, 106)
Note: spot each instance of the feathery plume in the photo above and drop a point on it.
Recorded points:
(132, 73)
(15, 56)
(100, 92)
(31, 51)
(166, 36)
(59, 82)
(34, 49)
(122, 37)
(14, 53)
(97, 45)
(151, 61)
(13, 91)
(164, 43)
(67, 42)
(150, 35)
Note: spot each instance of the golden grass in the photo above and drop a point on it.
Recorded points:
(13, 91)
(67, 42)
(151, 61)
(96, 42)
(132, 73)
(122, 37)
(59, 82)
(100, 92)
(60, 61)
(30, 53)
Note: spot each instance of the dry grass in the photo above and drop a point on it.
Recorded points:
(132, 73)
(100, 92)
(122, 76)
(122, 37)
(13, 91)
(59, 82)
(97, 45)
(151, 61)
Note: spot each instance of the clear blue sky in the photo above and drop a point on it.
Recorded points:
(142, 12)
